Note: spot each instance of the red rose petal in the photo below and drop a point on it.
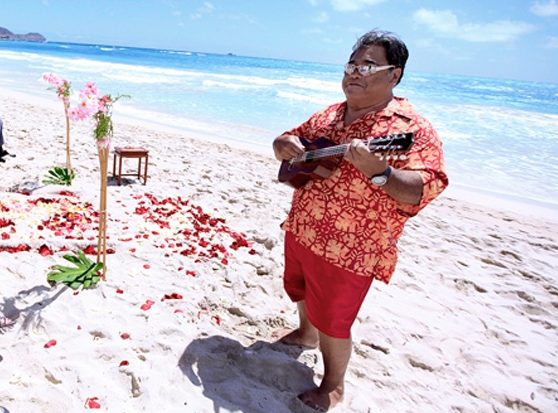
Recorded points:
(147, 305)
(119, 291)
(45, 251)
(124, 363)
(124, 336)
(50, 343)
(146, 266)
(92, 403)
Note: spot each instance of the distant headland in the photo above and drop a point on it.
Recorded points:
(5, 34)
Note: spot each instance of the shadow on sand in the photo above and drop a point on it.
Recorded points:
(263, 377)
(31, 314)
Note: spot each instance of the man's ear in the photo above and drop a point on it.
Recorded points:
(395, 75)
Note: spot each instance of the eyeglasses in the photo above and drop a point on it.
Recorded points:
(365, 70)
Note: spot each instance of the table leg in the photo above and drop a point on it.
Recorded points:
(120, 171)
(114, 166)
(145, 172)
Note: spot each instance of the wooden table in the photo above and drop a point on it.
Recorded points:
(134, 153)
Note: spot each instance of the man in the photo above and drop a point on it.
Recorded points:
(341, 231)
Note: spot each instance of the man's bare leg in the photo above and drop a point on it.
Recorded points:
(306, 335)
(336, 353)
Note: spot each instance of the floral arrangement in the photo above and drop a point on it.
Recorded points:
(63, 89)
(90, 104)
(93, 103)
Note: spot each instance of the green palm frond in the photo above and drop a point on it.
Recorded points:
(85, 274)
(59, 176)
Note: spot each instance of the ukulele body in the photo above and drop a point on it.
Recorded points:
(297, 174)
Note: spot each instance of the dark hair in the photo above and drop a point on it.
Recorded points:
(396, 51)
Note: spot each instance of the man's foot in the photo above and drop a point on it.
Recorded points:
(321, 400)
(296, 338)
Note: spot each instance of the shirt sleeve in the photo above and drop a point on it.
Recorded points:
(426, 158)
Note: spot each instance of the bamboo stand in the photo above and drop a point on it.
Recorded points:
(68, 160)
(103, 151)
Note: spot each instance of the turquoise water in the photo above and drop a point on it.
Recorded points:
(499, 135)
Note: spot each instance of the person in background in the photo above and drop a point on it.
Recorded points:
(342, 231)
(3, 152)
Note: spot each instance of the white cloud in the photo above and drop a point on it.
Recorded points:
(545, 9)
(312, 31)
(353, 5)
(206, 8)
(446, 23)
(323, 17)
(552, 42)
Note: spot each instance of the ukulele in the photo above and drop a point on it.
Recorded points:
(322, 157)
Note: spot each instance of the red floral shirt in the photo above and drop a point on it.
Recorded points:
(344, 218)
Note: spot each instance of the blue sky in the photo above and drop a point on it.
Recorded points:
(506, 39)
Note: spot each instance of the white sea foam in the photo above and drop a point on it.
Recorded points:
(491, 88)
(322, 100)
(314, 84)
(228, 85)
(176, 52)
(6, 54)
(141, 78)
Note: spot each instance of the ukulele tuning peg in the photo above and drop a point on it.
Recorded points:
(402, 157)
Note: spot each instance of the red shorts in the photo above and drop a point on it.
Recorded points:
(332, 295)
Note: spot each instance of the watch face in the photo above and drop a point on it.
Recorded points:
(379, 180)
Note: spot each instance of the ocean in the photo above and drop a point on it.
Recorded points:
(500, 136)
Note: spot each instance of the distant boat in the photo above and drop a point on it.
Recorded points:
(231, 54)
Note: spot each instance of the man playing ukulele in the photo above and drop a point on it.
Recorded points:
(342, 230)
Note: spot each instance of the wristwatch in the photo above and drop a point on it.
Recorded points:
(381, 179)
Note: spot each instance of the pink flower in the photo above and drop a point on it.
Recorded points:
(62, 86)
(91, 89)
(52, 79)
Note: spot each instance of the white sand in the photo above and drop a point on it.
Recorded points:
(468, 324)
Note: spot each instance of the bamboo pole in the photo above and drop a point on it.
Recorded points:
(68, 158)
(103, 152)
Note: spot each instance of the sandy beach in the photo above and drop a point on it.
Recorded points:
(184, 321)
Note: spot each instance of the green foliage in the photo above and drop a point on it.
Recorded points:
(85, 274)
(103, 118)
(104, 126)
(59, 176)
